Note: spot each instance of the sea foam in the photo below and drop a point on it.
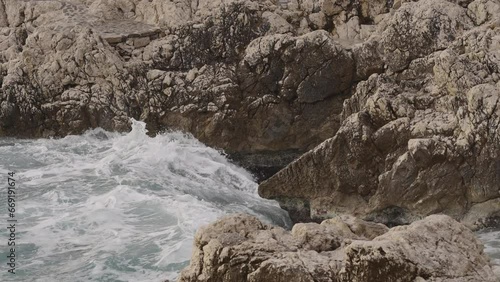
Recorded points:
(120, 207)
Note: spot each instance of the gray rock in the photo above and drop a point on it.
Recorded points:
(413, 143)
(305, 67)
(420, 28)
(109, 83)
(240, 248)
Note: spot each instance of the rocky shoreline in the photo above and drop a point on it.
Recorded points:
(383, 110)
(241, 248)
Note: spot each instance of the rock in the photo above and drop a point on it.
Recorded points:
(141, 42)
(394, 103)
(271, 107)
(419, 250)
(3, 15)
(155, 74)
(372, 8)
(270, 81)
(318, 20)
(333, 7)
(368, 58)
(309, 74)
(411, 144)
(363, 229)
(349, 30)
(240, 248)
(277, 24)
(112, 80)
(420, 28)
(482, 11)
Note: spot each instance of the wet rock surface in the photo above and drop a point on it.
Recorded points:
(260, 81)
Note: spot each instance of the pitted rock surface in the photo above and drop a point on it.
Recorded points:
(420, 138)
(176, 65)
(241, 248)
(114, 30)
(403, 92)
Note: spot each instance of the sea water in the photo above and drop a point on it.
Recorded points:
(117, 207)
(491, 239)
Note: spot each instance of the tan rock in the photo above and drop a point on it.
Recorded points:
(318, 20)
(141, 42)
(239, 248)
(420, 28)
(414, 142)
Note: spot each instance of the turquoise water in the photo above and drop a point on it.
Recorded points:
(117, 207)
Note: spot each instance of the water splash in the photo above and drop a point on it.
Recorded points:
(120, 207)
(491, 239)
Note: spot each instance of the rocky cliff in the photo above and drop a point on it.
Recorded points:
(241, 248)
(393, 102)
(263, 82)
(421, 137)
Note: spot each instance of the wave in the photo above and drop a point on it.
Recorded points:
(120, 207)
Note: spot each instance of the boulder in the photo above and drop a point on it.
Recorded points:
(240, 248)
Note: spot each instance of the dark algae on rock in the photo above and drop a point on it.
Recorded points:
(227, 73)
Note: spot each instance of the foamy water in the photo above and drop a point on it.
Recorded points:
(117, 207)
(491, 239)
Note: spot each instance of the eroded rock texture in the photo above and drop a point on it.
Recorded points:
(405, 93)
(241, 248)
(420, 138)
(243, 76)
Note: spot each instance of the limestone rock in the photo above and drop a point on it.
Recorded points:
(421, 249)
(368, 58)
(270, 79)
(309, 74)
(240, 248)
(106, 82)
(413, 143)
(277, 24)
(420, 28)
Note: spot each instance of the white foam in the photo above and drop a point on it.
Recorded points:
(491, 240)
(121, 207)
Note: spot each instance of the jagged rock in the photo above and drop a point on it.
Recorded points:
(413, 143)
(318, 20)
(348, 30)
(363, 229)
(418, 29)
(210, 107)
(417, 135)
(277, 24)
(286, 100)
(482, 11)
(105, 84)
(240, 248)
(368, 58)
(304, 67)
